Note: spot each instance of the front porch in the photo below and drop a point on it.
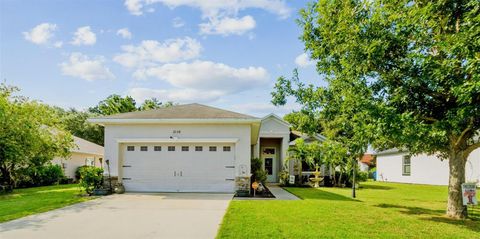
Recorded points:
(273, 152)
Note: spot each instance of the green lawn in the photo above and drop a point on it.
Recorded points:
(382, 210)
(23, 202)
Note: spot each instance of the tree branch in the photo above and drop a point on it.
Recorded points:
(472, 147)
(464, 133)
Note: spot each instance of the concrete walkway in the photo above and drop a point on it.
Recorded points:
(281, 194)
(278, 192)
(175, 215)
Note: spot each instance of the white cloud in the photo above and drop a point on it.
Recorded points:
(207, 75)
(84, 36)
(150, 52)
(175, 95)
(134, 6)
(212, 8)
(228, 26)
(58, 44)
(40, 34)
(303, 60)
(178, 22)
(81, 66)
(124, 33)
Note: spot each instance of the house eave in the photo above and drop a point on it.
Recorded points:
(105, 121)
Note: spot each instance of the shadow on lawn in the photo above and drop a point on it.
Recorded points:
(377, 187)
(438, 216)
(319, 194)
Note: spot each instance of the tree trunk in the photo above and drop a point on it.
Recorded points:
(455, 208)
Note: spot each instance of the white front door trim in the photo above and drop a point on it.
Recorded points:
(273, 161)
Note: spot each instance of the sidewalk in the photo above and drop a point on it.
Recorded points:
(278, 192)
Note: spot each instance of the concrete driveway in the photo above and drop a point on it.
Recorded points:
(169, 215)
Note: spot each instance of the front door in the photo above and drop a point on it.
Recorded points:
(269, 158)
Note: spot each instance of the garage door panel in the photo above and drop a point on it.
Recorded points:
(181, 171)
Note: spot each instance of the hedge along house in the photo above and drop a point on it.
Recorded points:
(394, 165)
(84, 153)
(191, 148)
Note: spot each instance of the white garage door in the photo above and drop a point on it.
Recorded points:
(178, 167)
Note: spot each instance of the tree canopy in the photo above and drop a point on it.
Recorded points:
(30, 134)
(400, 74)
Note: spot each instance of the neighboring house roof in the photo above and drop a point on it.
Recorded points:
(390, 151)
(368, 159)
(315, 137)
(187, 111)
(87, 147)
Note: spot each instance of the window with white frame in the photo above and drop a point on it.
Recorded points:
(406, 165)
(90, 161)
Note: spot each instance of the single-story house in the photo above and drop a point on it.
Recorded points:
(395, 165)
(84, 153)
(192, 148)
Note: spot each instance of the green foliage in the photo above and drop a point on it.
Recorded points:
(399, 74)
(30, 135)
(361, 176)
(43, 175)
(154, 103)
(284, 178)
(258, 173)
(115, 104)
(91, 178)
(303, 121)
(76, 123)
(78, 170)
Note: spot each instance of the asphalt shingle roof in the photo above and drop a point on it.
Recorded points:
(187, 111)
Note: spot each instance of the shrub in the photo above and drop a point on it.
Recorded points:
(40, 176)
(77, 172)
(258, 174)
(284, 177)
(91, 178)
(371, 172)
(362, 176)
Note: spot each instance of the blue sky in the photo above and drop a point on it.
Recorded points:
(221, 53)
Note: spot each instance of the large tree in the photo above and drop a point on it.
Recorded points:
(421, 62)
(30, 135)
(114, 104)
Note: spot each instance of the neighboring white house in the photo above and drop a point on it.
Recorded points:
(85, 153)
(191, 148)
(399, 166)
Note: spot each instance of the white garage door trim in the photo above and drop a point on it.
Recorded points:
(178, 140)
(211, 177)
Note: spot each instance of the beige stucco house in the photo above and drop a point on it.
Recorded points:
(191, 148)
(84, 153)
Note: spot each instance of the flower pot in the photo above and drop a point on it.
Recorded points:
(100, 192)
(119, 188)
